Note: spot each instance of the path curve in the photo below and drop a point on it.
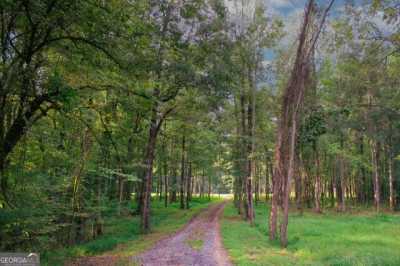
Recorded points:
(198, 244)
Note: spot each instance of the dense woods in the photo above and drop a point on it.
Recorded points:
(107, 107)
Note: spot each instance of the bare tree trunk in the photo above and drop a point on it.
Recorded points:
(150, 149)
(243, 207)
(391, 185)
(375, 159)
(267, 175)
(98, 222)
(209, 187)
(188, 185)
(182, 196)
(287, 128)
(276, 186)
(286, 183)
(343, 186)
(250, 155)
(203, 182)
(318, 189)
(173, 197)
(166, 189)
(121, 193)
(165, 170)
(298, 184)
(160, 185)
(155, 124)
(257, 186)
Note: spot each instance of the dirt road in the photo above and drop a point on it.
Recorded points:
(199, 243)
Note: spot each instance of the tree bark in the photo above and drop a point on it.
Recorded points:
(182, 185)
(165, 184)
(209, 187)
(298, 184)
(318, 188)
(173, 197)
(188, 186)
(376, 181)
(267, 182)
(150, 149)
(287, 128)
(250, 155)
(391, 181)
(155, 124)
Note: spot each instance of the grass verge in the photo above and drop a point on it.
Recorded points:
(327, 239)
(122, 237)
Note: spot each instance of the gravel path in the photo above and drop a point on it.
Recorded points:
(199, 243)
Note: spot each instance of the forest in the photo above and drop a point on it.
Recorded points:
(200, 132)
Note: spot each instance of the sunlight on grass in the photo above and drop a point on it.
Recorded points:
(327, 239)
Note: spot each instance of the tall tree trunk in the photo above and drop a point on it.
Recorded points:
(209, 187)
(267, 182)
(159, 185)
(150, 149)
(376, 181)
(276, 187)
(286, 182)
(250, 154)
(341, 185)
(165, 184)
(391, 181)
(363, 187)
(98, 221)
(188, 185)
(173, 197)
(287, 128)
(298, 184)
(182, 185)
(120, 193)
(257, 186)
(155, 124)
(318, 188)
(243, 207)
(203, 182)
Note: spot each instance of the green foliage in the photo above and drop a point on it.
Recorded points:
(61, 91)
(313, 127)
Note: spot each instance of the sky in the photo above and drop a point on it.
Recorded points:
(289, 8)
(292, 11)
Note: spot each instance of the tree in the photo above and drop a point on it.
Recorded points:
(288, 124)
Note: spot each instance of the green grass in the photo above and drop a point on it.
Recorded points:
(363, 238)
(122, 234)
